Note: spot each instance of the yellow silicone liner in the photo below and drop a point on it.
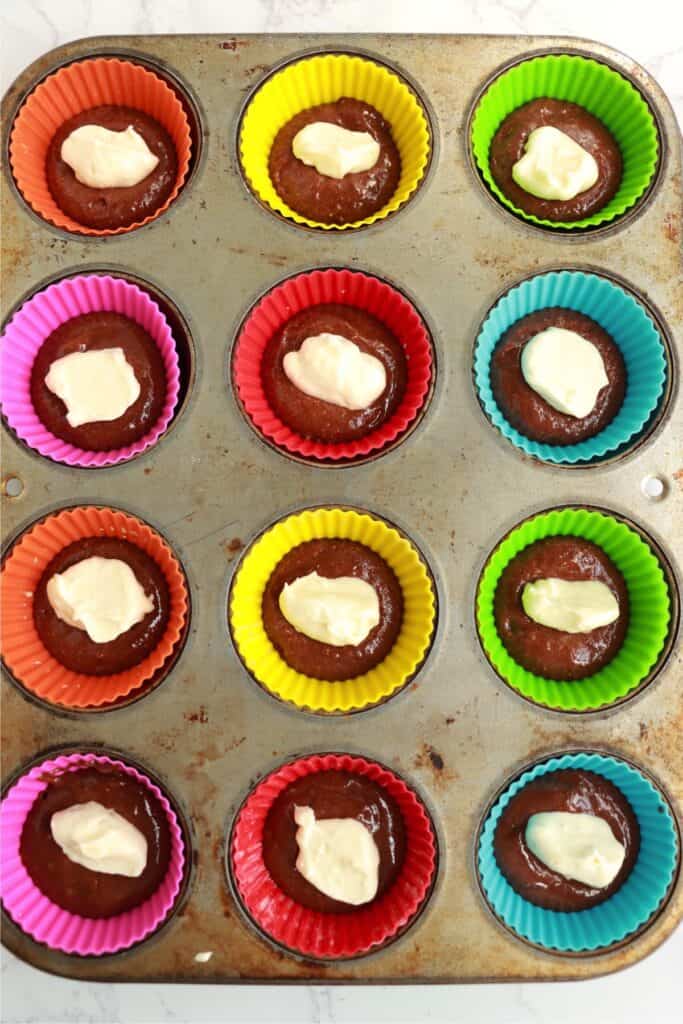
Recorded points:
(263, 661)
(324, 79)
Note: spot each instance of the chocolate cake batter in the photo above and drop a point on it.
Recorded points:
(91, 332)
(78, 889)
(331, 200)
(552, 653)
(525, 409)
(332, 794)
(508, 145)
(72, 647)
(110, 208)
(312, 417)
(333, 558)
(575, 792)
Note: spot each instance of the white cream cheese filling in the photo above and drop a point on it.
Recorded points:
(338, 856)
(96, 386)
(101, 596)
(100, 839)
(572, 606)
(578, 846)
(565, 369)
(337, 611)
(336, 370)
(335, 151)
(554, 166)
(101, 158)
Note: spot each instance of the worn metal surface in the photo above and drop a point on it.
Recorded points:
(455, 486)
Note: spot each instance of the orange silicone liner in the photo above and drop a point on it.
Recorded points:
(23, 651)
(71, 90)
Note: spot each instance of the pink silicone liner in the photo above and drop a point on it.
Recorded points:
(44, 313)
(349, 288)
(44, 920)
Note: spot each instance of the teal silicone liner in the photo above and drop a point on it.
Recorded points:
(624, 319)
(631, 907)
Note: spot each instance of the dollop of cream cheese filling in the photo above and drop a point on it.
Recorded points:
(565, 369)
(578, 846)
(572, 606)
(336, 370)
(100, 839)
(101, 596)
(101, 158)
(96, 386)
(337, 611)
(338, 856)
(554, 166)
(335, 151)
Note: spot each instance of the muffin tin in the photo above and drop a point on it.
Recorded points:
(454, 486)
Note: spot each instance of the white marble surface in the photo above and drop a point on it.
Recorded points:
(650, 32)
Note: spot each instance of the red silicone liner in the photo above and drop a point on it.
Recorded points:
(350, 288)
(312, 933)
(42, 919)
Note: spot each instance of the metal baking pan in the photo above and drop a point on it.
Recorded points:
(456, 732)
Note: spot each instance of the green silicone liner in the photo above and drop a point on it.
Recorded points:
(649, 611)
(600, 90)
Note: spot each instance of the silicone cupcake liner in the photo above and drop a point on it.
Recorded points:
(260, 656)
(325, 79)
(23, 651)
(599, 89)
(649, 611)
(42, 919)
(624, 913)
(42, 314)
(69, 91)
(624, 319)
(322, 935)
(349, 288)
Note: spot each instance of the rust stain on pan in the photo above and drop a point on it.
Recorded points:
(428, 757)
(671, 227)
(234, 44)
(233, 547)
(200, 715)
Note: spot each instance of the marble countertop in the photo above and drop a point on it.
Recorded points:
(652, 989)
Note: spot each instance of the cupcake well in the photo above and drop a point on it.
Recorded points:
(630, 908)
(22, 649)
(42, 314)
(43, 920)
(315, 934)
(260, 657)
(596, 87)
(349, 288)
(630, 327)
(649, 611)
(325, 78)
(80, 86)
